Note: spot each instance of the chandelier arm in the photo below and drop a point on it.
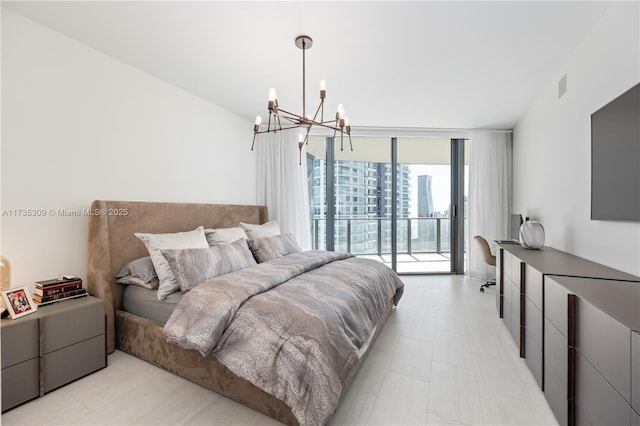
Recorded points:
(290, 114)
(318, 110)
(350, 144)
(254, 140)
(260, 132)
(326, 126)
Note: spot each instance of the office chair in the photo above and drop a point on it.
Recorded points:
(489, 258)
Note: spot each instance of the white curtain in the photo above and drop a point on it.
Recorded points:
(489, 195)
(282, 184)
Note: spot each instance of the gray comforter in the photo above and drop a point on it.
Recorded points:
(295, 326)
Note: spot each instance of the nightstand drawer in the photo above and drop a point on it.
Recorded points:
(20, 340)
(20, 383)
(72, 362)
(81, 320)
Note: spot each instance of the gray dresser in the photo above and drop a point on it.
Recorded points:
(55, 345)
(579, 325)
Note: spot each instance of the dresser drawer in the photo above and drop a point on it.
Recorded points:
(20, 338)
(555, 304)
(533, 321)
(66, 327)
(555, 391)
(533, 290)
(20, 383)
(506, 312)
(601, 404)
(72, 362)
(533, 356)
(581, 419)
(515, 270)
(605, 343)
(506, 264)
(555, 349)
(635, 371)
(515, 314)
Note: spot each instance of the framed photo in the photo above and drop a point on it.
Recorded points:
(18, 302)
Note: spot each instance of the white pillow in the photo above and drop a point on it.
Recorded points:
(179, 240)
(224, 235)
(269, 229)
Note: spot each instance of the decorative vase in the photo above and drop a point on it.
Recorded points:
(532, 235)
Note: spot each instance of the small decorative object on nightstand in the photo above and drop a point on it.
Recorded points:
(18, 302)
(532, 234)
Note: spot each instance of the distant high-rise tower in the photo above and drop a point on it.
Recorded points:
(425, 196)
(362, 204)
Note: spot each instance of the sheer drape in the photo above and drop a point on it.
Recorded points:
(489, 165)
(282, 184)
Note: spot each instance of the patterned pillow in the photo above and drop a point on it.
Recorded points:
(179, 240)
(224, 235)
(193, 266)
(265, 249)
(269, 229)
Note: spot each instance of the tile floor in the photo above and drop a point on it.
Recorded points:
(442, 358)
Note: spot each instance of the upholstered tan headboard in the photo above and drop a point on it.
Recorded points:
(112, 243)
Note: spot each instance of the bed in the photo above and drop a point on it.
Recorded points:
(112, 245)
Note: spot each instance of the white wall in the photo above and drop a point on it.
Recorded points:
(78, 125)
(552, 144)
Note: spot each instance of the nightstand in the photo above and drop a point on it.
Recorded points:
(50, 348)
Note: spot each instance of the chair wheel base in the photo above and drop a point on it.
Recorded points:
(487, 284)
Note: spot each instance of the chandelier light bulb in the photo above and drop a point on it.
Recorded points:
(258, 120)
(323, 84)
(272, 94)
(340, 113)
(300, 137)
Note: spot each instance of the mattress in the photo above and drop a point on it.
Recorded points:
(145, 303)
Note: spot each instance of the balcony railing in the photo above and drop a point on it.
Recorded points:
(373, 235)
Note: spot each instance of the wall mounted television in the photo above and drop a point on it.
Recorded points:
(615, 159)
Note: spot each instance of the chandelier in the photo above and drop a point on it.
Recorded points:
(304, 122)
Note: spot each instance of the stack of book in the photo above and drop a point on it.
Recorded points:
(55, 290)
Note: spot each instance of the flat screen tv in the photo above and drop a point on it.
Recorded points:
(615, 159)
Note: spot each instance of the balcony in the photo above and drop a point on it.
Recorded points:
(423, 243)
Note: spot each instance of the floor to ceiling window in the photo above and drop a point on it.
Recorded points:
(360, 216)
(425, 244)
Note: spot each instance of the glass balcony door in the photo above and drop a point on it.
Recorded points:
(424, 228)
(355, 208)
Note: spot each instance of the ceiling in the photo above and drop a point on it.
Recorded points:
(419, 64)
